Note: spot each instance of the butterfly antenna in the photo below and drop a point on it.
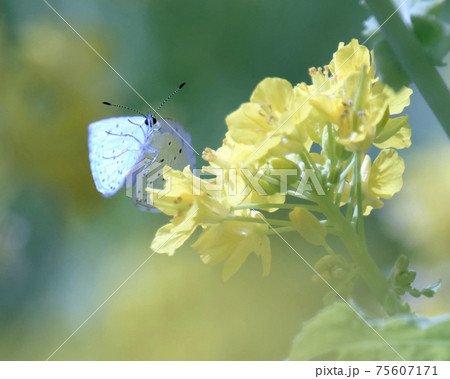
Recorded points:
(123, 106)
(168, 97)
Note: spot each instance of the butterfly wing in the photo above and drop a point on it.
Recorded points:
(173, 128)
(174, 146)
(115, 145)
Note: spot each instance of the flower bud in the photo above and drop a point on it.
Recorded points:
(308, 226)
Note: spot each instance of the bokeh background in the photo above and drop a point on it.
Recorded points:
(64, 248)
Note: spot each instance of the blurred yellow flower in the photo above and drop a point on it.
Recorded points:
(234, 241)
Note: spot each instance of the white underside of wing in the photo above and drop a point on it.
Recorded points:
(171, 127)
(115, 145)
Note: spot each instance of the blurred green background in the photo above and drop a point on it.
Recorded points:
(64, 248)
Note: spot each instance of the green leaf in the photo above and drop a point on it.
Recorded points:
(425, 20)
(337, 333)
(434, 35)
(431, 290)
(401, 279)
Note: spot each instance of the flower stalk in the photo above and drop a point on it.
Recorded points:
(413, 59)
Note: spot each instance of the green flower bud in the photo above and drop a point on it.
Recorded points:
(269, 184)
(280, 163)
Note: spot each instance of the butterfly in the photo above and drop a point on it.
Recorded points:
(135, 150)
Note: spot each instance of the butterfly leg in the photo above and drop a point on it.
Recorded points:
(140, 127)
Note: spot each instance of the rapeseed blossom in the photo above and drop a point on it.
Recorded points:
(344, 111)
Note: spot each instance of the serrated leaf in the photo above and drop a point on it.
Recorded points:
(337, 333)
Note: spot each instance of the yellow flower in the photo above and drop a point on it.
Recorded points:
(355, 103)
(234, 241)
(355, 111)
(382, 179)
(345, 110)
(322, 83)
(273, 112)
(188, 208)
(241, 178)
(394, 132)
(349, 59)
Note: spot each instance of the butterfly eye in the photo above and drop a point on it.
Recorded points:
(154, 121)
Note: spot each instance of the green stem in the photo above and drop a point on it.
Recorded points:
(275, 205)
(351, 198)
(258, 221)
(293, 193)
(368, 269)
(310, 162)
(415, 62)
(342, 180)
(283, 229)
(359, 197)
(329, 250)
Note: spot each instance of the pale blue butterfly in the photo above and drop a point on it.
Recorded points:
(121, 148)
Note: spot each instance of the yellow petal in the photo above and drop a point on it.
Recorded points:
(350, 58)
(247, 125)
(396, 133)
(331, 108)
(274, 91)
(386, 174)
(237, 258)
(398, 101)
(211, 252)
(170, 237)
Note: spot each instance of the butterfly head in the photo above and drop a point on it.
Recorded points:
(150, 120)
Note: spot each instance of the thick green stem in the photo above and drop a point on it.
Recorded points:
(368, 269)
(413, 59)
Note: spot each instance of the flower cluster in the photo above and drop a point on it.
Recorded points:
(267, 150)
